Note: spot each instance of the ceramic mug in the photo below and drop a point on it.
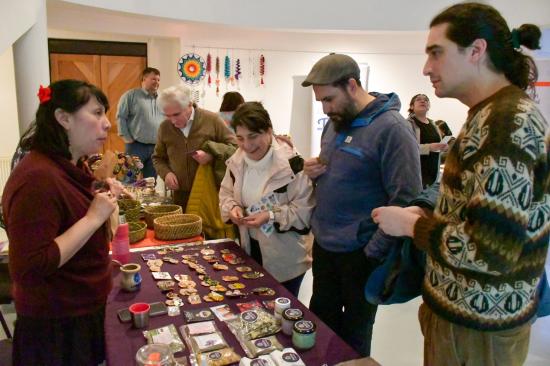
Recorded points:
(131, 278)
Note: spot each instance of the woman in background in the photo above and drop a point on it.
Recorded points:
(428, 137)
(231, 101)
(272, 230)
(58, 232)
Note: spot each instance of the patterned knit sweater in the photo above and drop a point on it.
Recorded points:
(488, 238)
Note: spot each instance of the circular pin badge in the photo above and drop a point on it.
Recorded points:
(166, 285)
(235, 293)
(220, 267)
(243, 269)
(230, 278)
(252, 275)
(207, 251)
(172, 295)
(236, 286)
(219, 288)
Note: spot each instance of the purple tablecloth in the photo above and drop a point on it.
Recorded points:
(123, 341)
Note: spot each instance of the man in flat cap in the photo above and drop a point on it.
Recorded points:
(369, 158)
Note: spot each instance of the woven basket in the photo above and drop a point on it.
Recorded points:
(132, 209)
(137, 231)
(180, 226)
(153, 212)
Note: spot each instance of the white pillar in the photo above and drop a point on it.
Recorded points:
(30, 56)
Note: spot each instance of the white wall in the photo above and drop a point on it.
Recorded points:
(318, 14)
(396, 59)
(8, 105)
(388, 73)
(19, 17)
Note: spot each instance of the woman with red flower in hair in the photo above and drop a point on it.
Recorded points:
(57, 228)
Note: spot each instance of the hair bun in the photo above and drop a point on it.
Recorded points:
(529, 36)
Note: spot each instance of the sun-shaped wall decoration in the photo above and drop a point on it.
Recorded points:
(191, 68)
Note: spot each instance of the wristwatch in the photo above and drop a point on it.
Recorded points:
(271, 217)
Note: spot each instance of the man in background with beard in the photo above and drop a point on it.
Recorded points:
(369, 157)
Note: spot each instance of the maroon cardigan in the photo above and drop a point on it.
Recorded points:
(44, 197)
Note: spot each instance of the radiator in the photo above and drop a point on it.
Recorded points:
(5, 162)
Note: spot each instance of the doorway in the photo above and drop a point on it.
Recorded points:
(115, 67)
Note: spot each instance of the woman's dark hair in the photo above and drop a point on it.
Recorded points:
(413, 99)
(442, 125)
(231, 101)
(471, 21)
(45, 134)
(253, 116)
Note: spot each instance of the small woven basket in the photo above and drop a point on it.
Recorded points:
(132, 209)
(153, 212)
(180, 226)
(137, 231)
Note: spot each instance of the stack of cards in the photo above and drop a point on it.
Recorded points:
(267, 203)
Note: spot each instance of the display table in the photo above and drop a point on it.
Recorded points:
(123, 341)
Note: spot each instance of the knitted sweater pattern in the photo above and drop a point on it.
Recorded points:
(488, 238)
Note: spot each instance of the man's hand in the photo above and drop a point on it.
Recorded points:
(395, 221)
(127, 140)
(314, 168)
(202, 157)
(171, 181)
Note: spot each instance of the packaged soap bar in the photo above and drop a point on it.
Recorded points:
(165, 335)
(260, 361)
(198, 328)
(207, 342)
(261, 346)
(221, 357)
(287, 357)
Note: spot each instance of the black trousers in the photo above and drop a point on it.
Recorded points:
(338, 295)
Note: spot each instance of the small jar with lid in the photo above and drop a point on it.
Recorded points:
(303, 334)
(290, 316)
(281, 304)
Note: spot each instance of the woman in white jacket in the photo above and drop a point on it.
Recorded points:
(266, 194)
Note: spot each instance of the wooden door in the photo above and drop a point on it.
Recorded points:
(80, 67)
(112, 74)
(118, 75)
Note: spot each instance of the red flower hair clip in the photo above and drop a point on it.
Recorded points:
(44, 94)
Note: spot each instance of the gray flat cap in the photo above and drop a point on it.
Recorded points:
(330, 69)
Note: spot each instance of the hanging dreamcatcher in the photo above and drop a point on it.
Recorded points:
(191, 68)
(209, 68)
(262, 69)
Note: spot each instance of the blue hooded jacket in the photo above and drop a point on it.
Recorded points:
(374, 163)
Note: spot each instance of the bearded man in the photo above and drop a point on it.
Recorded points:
(369, 158)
